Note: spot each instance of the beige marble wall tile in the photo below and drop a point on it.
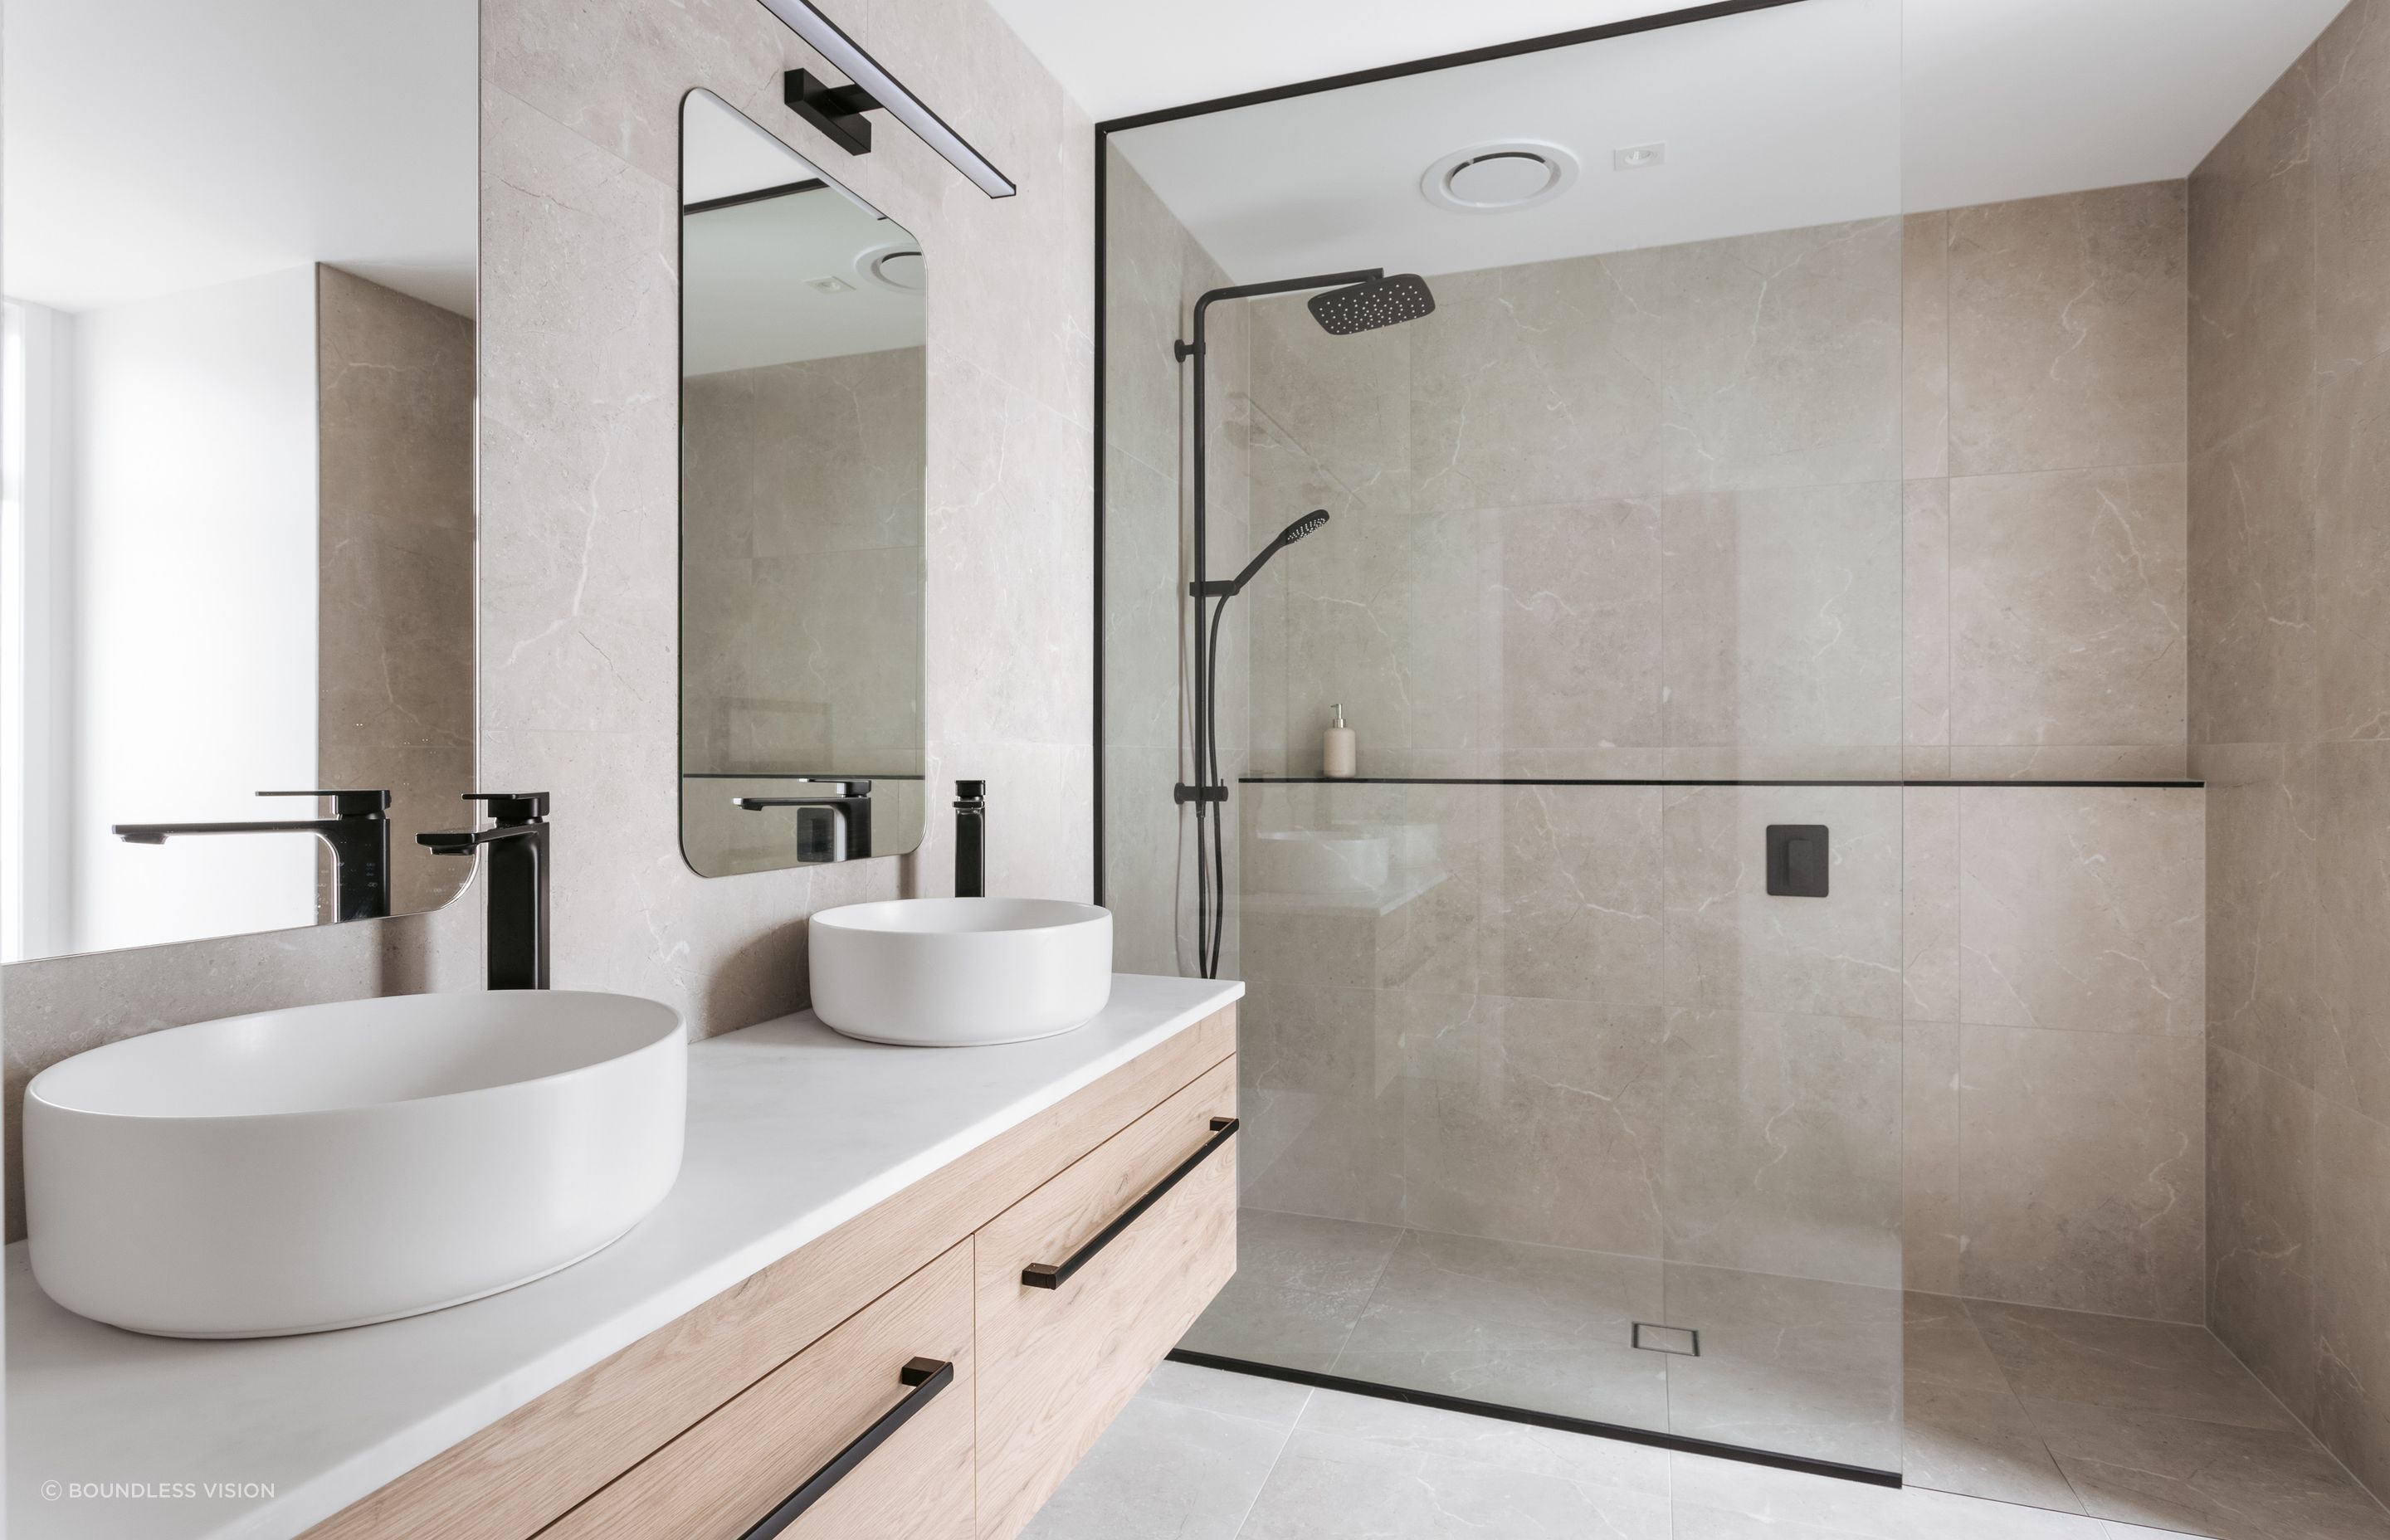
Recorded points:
(1931, 1235)
(2067, 607)
(1925, 613)
(2253, 266)
(1732, 944)
(2082, 1175)
(1570, 906)
(2352, 550)
(2255, 645)
(2261, 1180)
(1784, 1144)
(1928, 894)
(2070, 762)
(1570, 629)
(2067, 331)
(1550, 1132)
(2263, 923)
(2352, 915)
(2083, 908)
(1766, 360)
(1783, 617)
(2352, 1281)
(1926, 345)
(2349, 65)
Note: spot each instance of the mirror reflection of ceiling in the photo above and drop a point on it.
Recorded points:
(780, 280)
(1789, 117)
(338, 133)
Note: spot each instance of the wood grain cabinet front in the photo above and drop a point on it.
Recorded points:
(1084, 1284)
(865, 1435)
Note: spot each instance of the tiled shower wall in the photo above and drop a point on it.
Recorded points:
(1833, 503)
(2290, 722)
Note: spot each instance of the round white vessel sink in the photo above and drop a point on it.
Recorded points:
(333, 1166)
(953, 972)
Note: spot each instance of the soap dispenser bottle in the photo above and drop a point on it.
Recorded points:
(1339, 751)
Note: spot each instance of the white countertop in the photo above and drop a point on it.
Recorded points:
(792, 1130)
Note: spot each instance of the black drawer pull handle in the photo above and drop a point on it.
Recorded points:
(1045, 1275)
(928, 1377)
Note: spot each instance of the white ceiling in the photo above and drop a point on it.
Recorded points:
(152, 146)
(750, 271)
(1998, 99)
(1328, 182)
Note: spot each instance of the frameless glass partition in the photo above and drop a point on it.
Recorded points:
(1571, 1056)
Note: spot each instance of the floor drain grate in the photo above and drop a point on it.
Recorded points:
(1679, 1340)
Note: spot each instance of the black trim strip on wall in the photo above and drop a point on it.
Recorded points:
(1623, 1433)
(1686, 780)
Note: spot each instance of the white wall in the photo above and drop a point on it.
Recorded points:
(195, 606)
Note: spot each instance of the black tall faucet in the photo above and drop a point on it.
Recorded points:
(358, 834)
(971, 838)
(517, 902)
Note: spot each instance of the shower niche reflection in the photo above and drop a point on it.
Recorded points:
(802, 402)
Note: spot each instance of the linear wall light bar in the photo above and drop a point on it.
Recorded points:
(837, 111)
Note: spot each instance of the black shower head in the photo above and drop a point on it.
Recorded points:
(1310, 523)
(1379, 302)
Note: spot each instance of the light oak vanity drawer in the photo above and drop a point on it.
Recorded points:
(879, 1373)
(1059, 1357)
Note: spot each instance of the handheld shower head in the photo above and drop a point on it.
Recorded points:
(1310, 523)
(1377, 303)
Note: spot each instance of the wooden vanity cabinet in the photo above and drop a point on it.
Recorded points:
(705, 1426)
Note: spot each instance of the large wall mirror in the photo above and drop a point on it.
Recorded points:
(238, 245)
(803, 399)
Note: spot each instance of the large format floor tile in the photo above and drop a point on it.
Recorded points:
(2160, 1367)
(1516, 1324)
(1300, 1285)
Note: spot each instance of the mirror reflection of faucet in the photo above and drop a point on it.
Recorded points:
(358, 833)
(836, 826)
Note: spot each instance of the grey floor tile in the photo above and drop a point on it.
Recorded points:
(1610, 1464)
(1247, 1396)
(1164, 1470)
(1728, 1500)
(1539, 1327)
(1795, 1365)
(1940, 1345)
(1980, 1444)
(2161, 1366)
(1300, 1285)
(2207, 1478)
(1328, 1486)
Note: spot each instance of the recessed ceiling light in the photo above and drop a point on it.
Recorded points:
(1500, 177)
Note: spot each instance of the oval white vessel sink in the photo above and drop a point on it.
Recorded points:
(952, 972)
(333, 1166)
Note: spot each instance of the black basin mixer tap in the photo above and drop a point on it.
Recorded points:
(517, 902)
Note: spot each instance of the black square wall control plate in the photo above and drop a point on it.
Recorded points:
(1796, 860)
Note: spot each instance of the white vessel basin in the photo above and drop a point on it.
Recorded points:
(952, 972)
(333, 1166)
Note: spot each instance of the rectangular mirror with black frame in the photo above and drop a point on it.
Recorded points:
(803, 393)
(237, 256)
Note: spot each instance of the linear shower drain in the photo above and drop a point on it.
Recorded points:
(1668, 1339)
